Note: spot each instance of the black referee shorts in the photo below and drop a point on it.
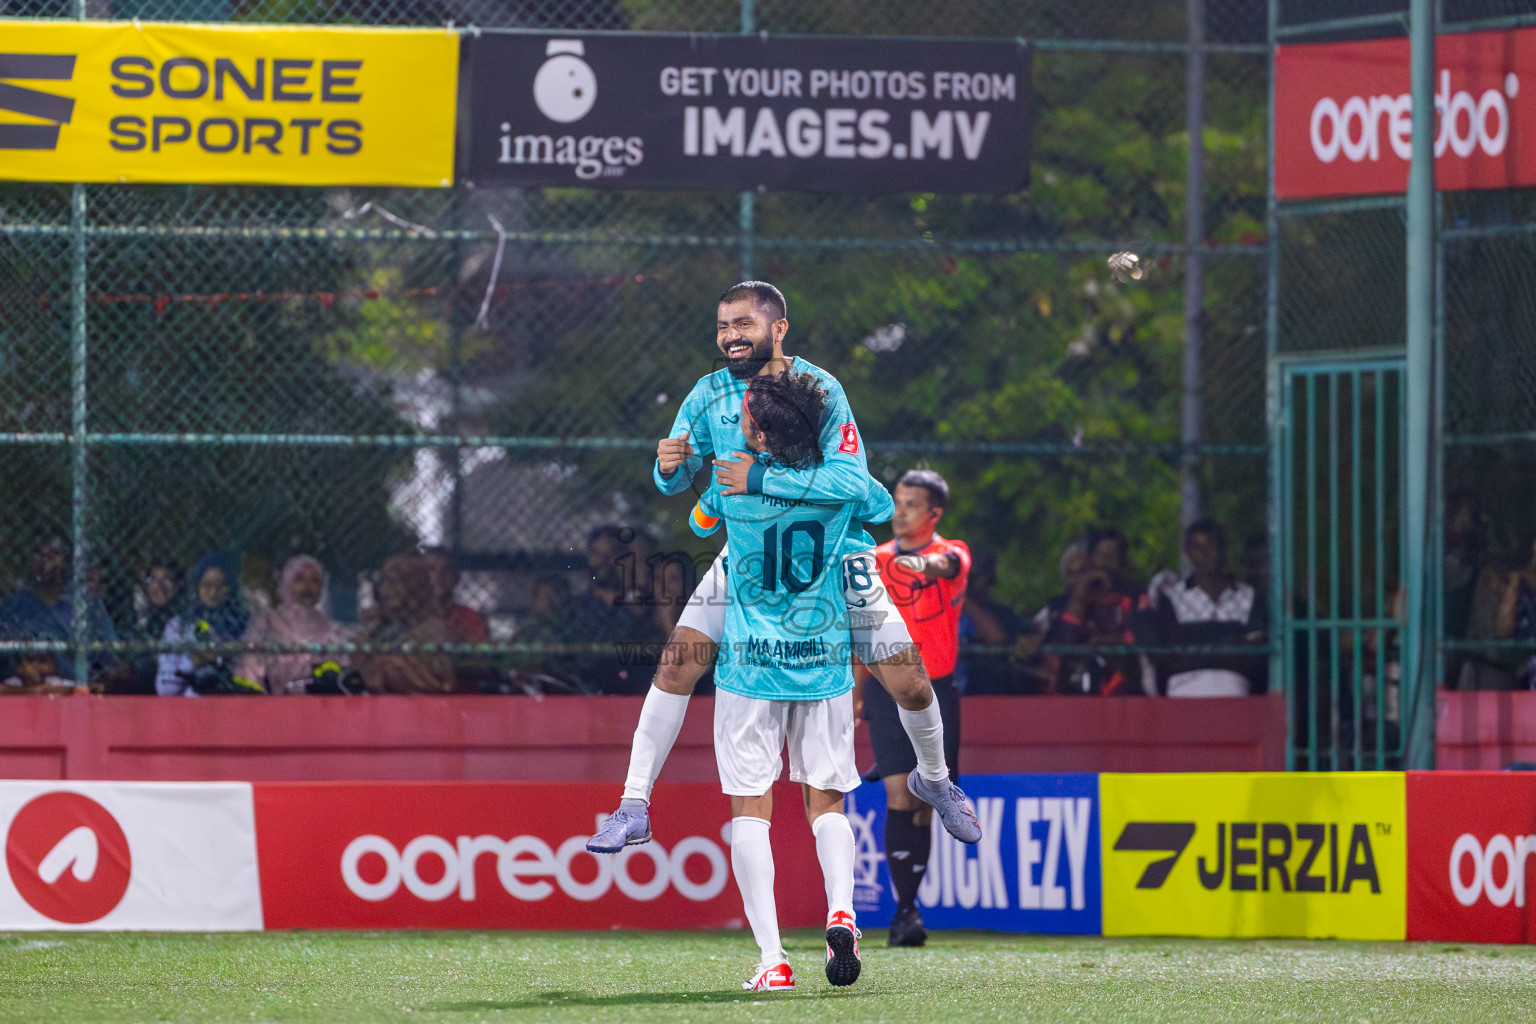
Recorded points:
(893, 749)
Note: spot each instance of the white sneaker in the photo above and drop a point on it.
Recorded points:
(771, 978)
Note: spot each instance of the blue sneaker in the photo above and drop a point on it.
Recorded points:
(630, 825)
(945, 797)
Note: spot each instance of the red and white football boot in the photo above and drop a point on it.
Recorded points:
(771, 978)
(843, 963)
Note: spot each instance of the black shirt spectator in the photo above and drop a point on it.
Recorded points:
(156, 602)
(619, 622)
(553, 620)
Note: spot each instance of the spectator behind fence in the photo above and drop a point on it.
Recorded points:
(299, 617)
(638, 622)
(552, 612)
(1209, 607)
(258, 583)
(606, 546)
(552, 620)
(1040, 671)
(1466, 551)
(465, 625)
(105, 583)
(1515, 619)
(45, 610)
(1103, 609)
(156, 600)
(37, 672)
(407, 613)
(1466, 544)
(985, 620)
(215, 613)
(1503, 605)
(674, 582)
(609, 616)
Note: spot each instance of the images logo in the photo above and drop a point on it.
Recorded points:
(564, 90)
(68, 857)
(45, 106)
(565, 87)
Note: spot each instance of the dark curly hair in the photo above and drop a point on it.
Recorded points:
(788, 408)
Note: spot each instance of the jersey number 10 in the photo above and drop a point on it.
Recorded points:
(779, 555)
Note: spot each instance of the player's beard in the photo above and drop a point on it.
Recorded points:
(748, 366)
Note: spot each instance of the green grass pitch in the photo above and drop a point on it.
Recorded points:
(677, 976)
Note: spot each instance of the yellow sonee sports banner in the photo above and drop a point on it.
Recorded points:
(1308, 855)
(226, 104)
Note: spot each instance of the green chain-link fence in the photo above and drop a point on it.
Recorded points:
(354, 374)
(1341, 299)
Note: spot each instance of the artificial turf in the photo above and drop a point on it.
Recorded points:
(678, 976)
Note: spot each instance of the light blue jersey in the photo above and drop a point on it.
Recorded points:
(786, 627)
(712, 416)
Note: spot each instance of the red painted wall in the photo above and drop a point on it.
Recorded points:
(573, 739)
(1484, 729)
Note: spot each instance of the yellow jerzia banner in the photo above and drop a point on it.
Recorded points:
(1306, 855)
(226, 104)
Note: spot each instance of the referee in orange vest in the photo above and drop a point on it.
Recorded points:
(925, 575)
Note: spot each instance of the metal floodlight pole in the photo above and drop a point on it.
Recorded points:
(79, 625)
(1194, 282)
(79, 600)
(458, 320)
(1417, 687)
(1279, 540)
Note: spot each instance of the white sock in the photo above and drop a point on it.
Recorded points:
(926, 731)
(661, 717)
(835, 849)
(752, 864)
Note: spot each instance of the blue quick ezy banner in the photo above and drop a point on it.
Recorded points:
(1036, 868)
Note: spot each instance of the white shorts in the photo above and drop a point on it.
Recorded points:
(875, 627)
(750, 734)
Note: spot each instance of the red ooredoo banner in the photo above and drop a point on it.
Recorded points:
(512, 855)
(1343, 115)
(1470, 836)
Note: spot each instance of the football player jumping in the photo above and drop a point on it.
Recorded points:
(751, 326)
(783, 675)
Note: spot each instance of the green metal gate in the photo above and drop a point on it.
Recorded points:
(1340, 463)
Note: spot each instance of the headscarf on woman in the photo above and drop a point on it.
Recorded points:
(296, 619)
(225, 620)
(222, 621)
